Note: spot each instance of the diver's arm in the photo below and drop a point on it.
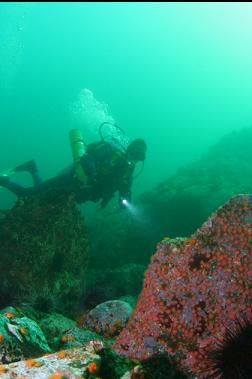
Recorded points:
(89, 166)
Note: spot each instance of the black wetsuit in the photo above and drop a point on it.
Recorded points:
(110, 171)
(107, 170)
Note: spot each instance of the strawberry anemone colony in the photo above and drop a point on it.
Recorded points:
(194, 291)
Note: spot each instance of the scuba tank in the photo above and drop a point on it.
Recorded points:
(78, 149)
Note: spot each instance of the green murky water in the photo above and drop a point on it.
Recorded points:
(177, 75)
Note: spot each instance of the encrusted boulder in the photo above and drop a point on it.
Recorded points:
(43, 253)
(70, 364)
(194, 290)
(108, 318)
(92, 361)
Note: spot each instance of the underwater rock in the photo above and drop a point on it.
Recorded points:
(194, 290)
(108, 318)
(20, 337)
(181, 203)
(43, 253)
(127, 375)
(30, 312)
(75, 337)
(93, 361)
(67, 364)
(55, 325)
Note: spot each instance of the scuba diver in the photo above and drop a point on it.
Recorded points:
(99, 170)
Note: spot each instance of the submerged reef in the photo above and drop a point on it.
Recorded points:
(181, 203)
(66, 351)
(194, 291)
(44, 253)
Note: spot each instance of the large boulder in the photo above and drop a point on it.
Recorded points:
(71, 364)
(194, 291)
(93, 361)
(181, 203)
(43, 253)
(108, 318)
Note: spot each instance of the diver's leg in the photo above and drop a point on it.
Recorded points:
(64, 181)
(15, 188)
(32, 168)
(35, 177)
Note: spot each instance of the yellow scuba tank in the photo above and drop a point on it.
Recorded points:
(78, 149)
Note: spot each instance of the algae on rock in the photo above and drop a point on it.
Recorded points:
(44, 253)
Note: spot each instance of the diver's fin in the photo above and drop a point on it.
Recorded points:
(27, 166)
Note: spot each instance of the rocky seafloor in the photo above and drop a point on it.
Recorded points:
(195, 291)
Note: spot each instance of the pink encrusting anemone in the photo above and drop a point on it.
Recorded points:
(194, 290)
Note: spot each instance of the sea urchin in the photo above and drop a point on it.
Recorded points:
(232, 359)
